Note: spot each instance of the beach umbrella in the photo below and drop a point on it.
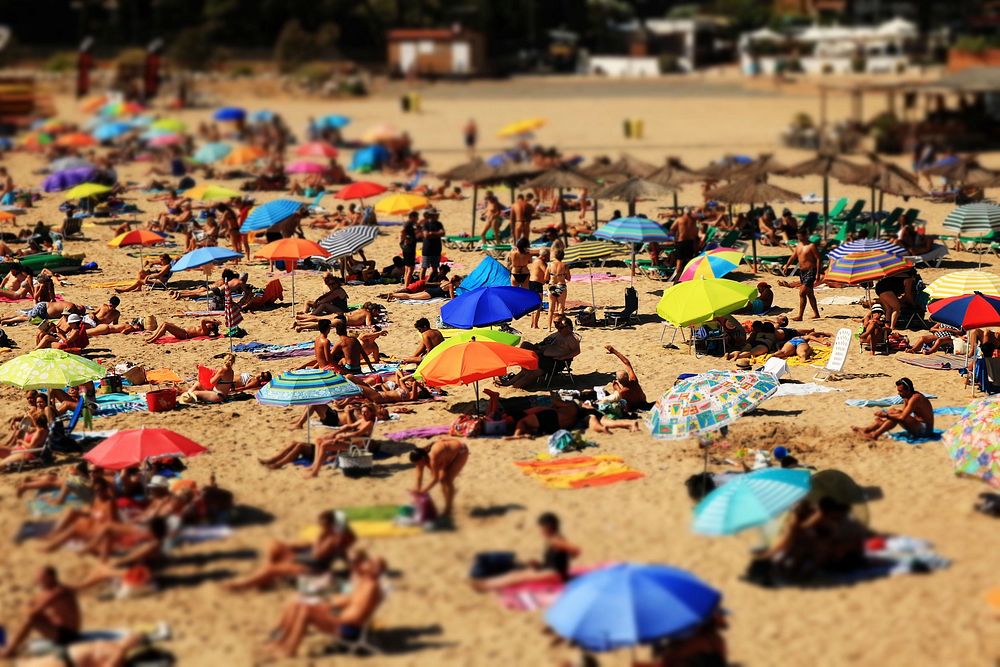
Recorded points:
(712, 264)
(308, 386)
(977, 219)
(750, 500)
(632, 190)
(825, 165)
(510, 174)
(725, 169)
(332, 121)
(166, 140)
(67, 178)
(345, 242)
(489, 305)
(139, 237)
(473, 172)
(111, 131)
(633, 231)
(887, 178)
(75, 140)
(961, 170)
(379, 133)
(93, 104)
(212, 152)
(290, 251)
(269, 214)
(958, 283)
(560, 179)
(973, 443)
(624, 167)
(7, 216)
(241, 155)
(50, 369)
(36, 141)
(360, 190)
(211, 192)
(521, 127)
(87, 190)
(114, 109)
(173, 125)
(969, 311)
(702, 299)
(470, 361)
(464, 336)
(134, 447)
(764, 165)
(855, 268)
(591, 251)
(753, 190)
(230, 114)
(867, 245)
(673, 175)
(203, 256)
(400, 203)
(316, 149)
(304, 167)
(708, 401)
(629, 604)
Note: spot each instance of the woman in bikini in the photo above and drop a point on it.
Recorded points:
(445, 460)
(518, 261)
(220, 386)
(554, 563)
(87, 524)
(333, 415)
(546, 421)
(404, 388)
(33, 439)
(559, 276)
(208, 328)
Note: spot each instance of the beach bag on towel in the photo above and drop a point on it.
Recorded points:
(355, 462)
(467, 426)
(424, 509)
(492, 563)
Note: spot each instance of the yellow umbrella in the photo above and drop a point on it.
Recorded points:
(210, 192)
(399, 203)
(520, 127)
(169, 124)
(958, 283)
(85, 190)
(699, 300)
(453, 337)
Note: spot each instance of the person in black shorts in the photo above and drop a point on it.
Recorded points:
(408, 246)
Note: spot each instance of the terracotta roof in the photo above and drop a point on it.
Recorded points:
(440, 34)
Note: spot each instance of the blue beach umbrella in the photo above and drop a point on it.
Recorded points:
(229, 114)
(111, 131)
(333, 121)
(633, 230)
(309, 386)
(866, 245)
(212, 152)
(262, 116)
(750, 500)
(269, 214)
(489, 305)
(67, 178)
(628, 604)
(204, 256)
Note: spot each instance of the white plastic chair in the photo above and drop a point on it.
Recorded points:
(841, 344)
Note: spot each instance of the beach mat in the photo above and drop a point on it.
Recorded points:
(538, 595)
(162, 376)
(420, 302)
(369, 527)
(116, 404)
(112, 283)
(910, 439)
(33, 530)
(885, 402)
(579, 471)
(170, 340)
(419, 432)
(938, 361)
(821, 355)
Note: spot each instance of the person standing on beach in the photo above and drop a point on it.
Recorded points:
(807, 256)
(444, 460)
(685, 232)
(538, 275)
(432, 233)
(518, 219)
(492, 214)
(471, 134)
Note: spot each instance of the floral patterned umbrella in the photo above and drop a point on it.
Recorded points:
(49, 369)
(709, 401)
(974, 441)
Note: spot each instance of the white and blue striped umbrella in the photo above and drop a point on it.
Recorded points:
(633, 230)
(865, 245)
(750, 500)
(203, 256)
(269, 214)
(309, 386)
(345, 242)
(974, 219)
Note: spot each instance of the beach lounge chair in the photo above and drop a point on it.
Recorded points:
(836, 210)
(890, 224)
(273, 292)
(850, 214)
(560, 367)
(628, 313)
(907, 316)
(931, 258)
(838, 357)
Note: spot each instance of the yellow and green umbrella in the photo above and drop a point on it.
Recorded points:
(958, 283)
(400, 203)
(454, 337)
(521, 127)
(702, 299)
(169, 124)
(85, 190)
(209, 192)
(50, 369)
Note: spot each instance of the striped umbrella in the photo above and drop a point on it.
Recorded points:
(867, 245)
(855, 268)
(958, 283)
(750, 500)
(308, 386)
(708, 401)
(633, 230)
(269, 214)
(974, 219)
(232, 313)
(712, 264)
(346, 242)
(969, 311)
(590, 251)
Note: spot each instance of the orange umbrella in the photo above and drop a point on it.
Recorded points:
(7, 216)
(92, 104)
(475, 360)
(76, 140)
(243, 155)
(291, 250)
(136, 237)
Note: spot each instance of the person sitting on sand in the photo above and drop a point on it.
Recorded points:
(155, 274)
(220, 386)
(39, 406)
(331, 443)
(344, 616)
(429, 339)
(561, 346)
(17, 284)
(425, 290)
(403, 389)
(626, 384)
(444, 459)
(704, 646)
(916, 415)
(286, 560)
(334, 300)
(874, 332)
(941, 336)
(554, 563)
(207, 328)
(53, 612)
(229, 277)
(763, 302)
(347, 352)
(33, 440)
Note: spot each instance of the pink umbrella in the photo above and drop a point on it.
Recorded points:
(304, 167)
(166, 140)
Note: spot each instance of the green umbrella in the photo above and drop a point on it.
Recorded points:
(702, 299)
(50, 369)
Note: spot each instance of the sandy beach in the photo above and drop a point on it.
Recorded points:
(432, 616)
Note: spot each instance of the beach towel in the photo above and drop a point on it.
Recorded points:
(579, 471)
(199, 534)
(201, 313)
(419, 302)
(116, 404)
(538, 595)
(886, 402)
(4, 299)
(113, 283)
(162, 376)
(579, 277)
(170, 340)
(31, 530)
(839, 301)
(803, 389)
(949, 410)
(821, 355)
(419, 432)
(910, 439)
(938, 361)
(370, 527)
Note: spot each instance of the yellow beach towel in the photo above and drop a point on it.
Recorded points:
(370, 529)
(579, 471)
(115, 283)
(820, 357)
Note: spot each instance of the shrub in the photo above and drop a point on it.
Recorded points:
(61, 61)
(192, 48)
(293, 47)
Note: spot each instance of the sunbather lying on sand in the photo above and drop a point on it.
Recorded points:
(205, 328)
(555, 560)
(361, 317)
(403, 388)
(333, 415)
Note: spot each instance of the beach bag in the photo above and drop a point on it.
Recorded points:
(492, 563)
(356, 462)
(111, 384)
(587, 318)
(424, 509)
(216, 301)
(563, 441)
(467, 426)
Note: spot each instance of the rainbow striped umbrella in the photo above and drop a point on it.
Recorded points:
(309, 386)
(867, 245)
(958, 283)
(712, 264)
(863, 267)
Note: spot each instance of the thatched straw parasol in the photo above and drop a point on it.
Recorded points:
(887, 178)
(632, 190)
(673, 175)
(625, 166)
(562, 178)
(751, 191)
(724, 170)
(965, 171)
(473, 171)
(765, 164)
(825, 165)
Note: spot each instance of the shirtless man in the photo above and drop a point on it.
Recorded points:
(53, 612)
(685, 232)
(321, 347)
(493, 214)
(348, 350)
(626, 383)
(538, 275)
(916, 415)
(17, 284)
(107, 317)
(46, 310)
(807, 256)
(518, 221)
(445, 459)
(518, 260)
(209, 328)
(429, 339)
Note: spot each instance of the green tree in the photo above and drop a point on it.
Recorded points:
(744, 15)
(294, 46)
(192, 48)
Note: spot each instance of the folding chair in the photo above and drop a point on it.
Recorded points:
(841, 344)
(923, 298)
(560, 367)
(628, 313)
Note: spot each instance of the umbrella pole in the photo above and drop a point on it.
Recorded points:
(477, 397)
(873, 202)
(562, 214)
(826, 203)
(475, 197)
(293, 291)
(632, 283)
(631, 208)
(593, 297)
(596, 221)
(677, 207)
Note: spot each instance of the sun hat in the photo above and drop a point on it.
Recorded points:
(73, 319)
(743, 364)
(159, 482)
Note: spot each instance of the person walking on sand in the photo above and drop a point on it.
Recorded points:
(916, 415)
(807, 256)
(470, 133)
(685, 232)
(538, 275)
(558, 276)
(445, 460)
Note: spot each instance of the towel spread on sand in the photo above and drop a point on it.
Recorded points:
(803, 389)
(162, 376)
(821, 355)
(938, 361)
(201, 313)
(169, 340)
(578, 472)
(419, 432)
(116, 404)
(420, 302)
(113, 283)
(371, 521)
(910, 439)
(537, 595)
(885, 402)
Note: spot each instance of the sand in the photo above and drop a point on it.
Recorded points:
(431, 616)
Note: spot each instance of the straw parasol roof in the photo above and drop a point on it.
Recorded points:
(633, 189)
(752, 190)
(673, 174)
(726, 169)
(510, 172)
(824, 164)
(765, 164)
(473, 170)
(982, 178)
(967, 171)
(886, 177)
(561, 177)
(626, 166)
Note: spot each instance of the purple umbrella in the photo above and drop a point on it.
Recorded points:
(62, 180)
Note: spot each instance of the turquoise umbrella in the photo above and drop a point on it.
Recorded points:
(309, 386)
(634, 231)
(212, 152)
(750, 500)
